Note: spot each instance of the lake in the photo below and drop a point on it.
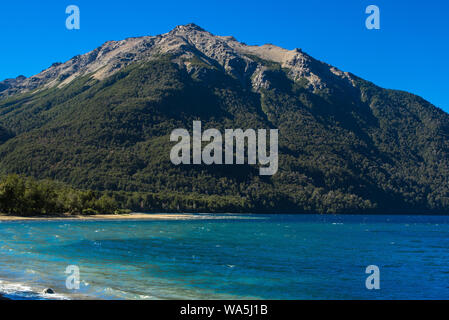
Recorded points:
(232, 257)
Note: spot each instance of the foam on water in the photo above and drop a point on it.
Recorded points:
(19, 291)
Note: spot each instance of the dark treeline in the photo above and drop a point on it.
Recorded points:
(28, 197)
(23, 196)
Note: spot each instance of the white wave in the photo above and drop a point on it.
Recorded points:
(24, 291)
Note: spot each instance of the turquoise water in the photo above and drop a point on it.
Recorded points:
(253, 257)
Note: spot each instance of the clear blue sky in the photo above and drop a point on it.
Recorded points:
(410, 52)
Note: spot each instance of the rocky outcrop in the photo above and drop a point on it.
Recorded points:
(8, 84)
(49, 291)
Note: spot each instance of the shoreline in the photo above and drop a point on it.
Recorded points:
(176, 216)
(132, 216)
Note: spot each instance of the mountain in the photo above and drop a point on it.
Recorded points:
(103, 120)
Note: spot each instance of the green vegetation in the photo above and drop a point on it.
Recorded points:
(27, 197)
(345, 149)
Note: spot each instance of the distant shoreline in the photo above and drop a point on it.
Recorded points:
(183, 216)
(133, 216)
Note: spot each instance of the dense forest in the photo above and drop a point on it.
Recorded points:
(27, 197)
(343, 149)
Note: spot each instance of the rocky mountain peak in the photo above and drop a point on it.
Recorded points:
(188, 28)
(184, 42)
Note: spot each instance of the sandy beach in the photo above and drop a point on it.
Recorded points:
(132, 216)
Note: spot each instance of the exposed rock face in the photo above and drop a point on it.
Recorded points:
(183, 43)
(11, 83)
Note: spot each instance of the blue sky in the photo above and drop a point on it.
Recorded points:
(410, 52)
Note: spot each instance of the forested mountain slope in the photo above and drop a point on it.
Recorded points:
(103, 120)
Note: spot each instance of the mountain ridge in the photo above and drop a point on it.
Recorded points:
(114, 55)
